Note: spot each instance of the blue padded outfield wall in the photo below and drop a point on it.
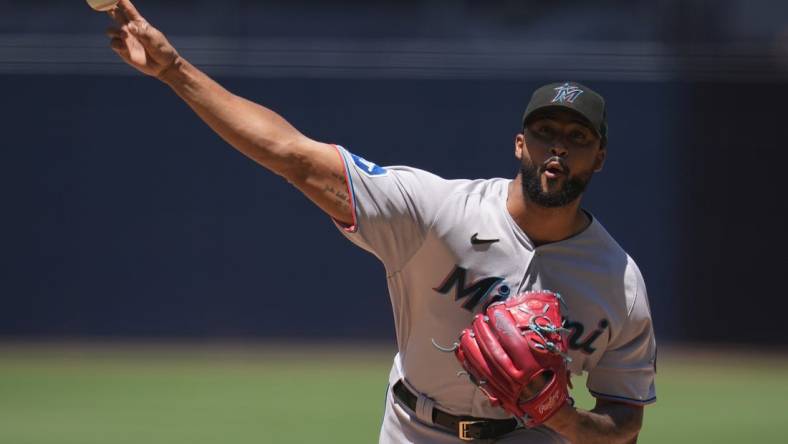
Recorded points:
(123, 215)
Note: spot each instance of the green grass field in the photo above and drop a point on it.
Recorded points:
(187, 394)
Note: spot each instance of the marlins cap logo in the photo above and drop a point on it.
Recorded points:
(567, 93)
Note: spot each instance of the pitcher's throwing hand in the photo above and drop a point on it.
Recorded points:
(138, 43)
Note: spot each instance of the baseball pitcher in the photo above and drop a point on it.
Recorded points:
(501, 288)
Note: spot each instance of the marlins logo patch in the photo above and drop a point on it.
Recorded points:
(566, 93)
(369, 168)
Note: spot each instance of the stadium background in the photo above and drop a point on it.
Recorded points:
(129, 228)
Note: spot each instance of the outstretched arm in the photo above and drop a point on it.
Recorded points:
(259, 133)
(607, 423)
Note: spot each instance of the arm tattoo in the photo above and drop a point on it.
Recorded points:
(613, 423)
(341, 198)
(607, 423)
(340, 178)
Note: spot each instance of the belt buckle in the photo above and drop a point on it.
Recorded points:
(463, 430)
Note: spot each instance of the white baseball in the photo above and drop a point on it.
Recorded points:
(102, 5)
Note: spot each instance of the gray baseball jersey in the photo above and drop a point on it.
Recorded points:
(449, 248)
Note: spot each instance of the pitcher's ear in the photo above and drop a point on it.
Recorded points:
(599, 163)
(519, 146)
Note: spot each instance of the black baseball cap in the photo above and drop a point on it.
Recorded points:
(575, 97)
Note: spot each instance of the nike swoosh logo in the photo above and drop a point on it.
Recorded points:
(476, 241)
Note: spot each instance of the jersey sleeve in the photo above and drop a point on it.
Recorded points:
(627, 369)
(392, 207)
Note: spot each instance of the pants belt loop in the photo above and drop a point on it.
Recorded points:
(424, 406)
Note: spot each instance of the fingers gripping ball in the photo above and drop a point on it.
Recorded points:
(517, 356)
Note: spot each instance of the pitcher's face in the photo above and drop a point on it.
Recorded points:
(559, 153)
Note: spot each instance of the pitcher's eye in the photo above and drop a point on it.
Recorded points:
(545, 131)
(578, 136)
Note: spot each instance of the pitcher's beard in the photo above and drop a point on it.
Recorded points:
(570, 191)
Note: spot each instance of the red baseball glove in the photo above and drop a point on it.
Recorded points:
(515, 353)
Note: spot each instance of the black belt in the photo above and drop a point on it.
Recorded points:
(467, 427)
